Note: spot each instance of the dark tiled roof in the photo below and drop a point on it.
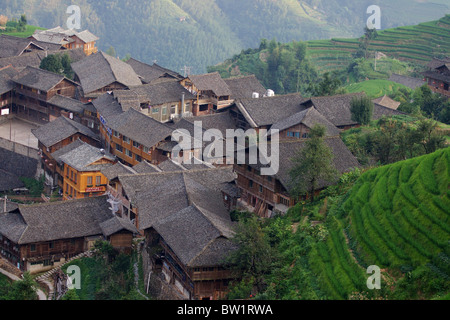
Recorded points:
(244, 87)
(83, 158)
(269, 110)
(11, 46)
(116, 224)
(164, 92)
(145, 167)
(56, 220)
(112, 172)
(9, 181)
(380, 111)
(140, 128)
(100, 69)
(211, 81)
(309, 118)
(107, 106)
(437, 75)
(60, 129)
(150, 73)
(409, 82)
(220, 121)
(187, 209)
(34, 58)
(67, 103)
(343, 159)
(39, 79)
(436, 63)
(6, 74)
(387, 102)
(10, 206)
(60, 152)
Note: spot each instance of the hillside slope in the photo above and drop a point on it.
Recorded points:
(413, 46)
(198, 33)
(396, 217)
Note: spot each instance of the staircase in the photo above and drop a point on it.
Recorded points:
(46, 278)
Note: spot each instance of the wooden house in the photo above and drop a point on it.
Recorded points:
(245, 87)
(211, 93)
(11, 46)
(187, 228)
(34, 88)
(100, 73)
(40, 237)
(437, 77)
(6, 90)
(269, 195)
(82, 176)
(154, 73)
(58, 134)
(69, 39)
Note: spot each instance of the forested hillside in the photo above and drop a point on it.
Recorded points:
(199, 33)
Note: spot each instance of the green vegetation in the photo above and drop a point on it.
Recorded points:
(58, 63)
(376, 88)
(107, 275)
(24, 289)
(395, 216)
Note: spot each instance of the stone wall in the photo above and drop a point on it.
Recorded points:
(18, 159)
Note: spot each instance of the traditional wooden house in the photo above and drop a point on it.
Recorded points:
(269, 195)
(56, 135)
(153, 73)
(163, 101)
(62, 106)
(69, 39)
(187, 227)
(82, 176)
(34, 88)
(39, 237)
(245, 87)
(437, 77)
(211, 91)
(11, 46)
(6, 90)
(100, 73)
(387, 102)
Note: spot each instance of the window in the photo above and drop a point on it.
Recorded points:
(126, 139)
(260, 188)
(32, 247)
(305, 135)
(249, 168)
(98, 180)
(155, 110)
(164, 111)
(116, 134)
(136, 145)
(297, 134)
(129, 153)
(51, 245)
(269, 178)
(138, 158)
(119, 148)
(89, 181)
(250, 183)
(146, 150)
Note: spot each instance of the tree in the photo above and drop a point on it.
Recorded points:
(328, 86)
(312, 164)
(361, 109)
(52, 63)
(429, 137)
(254, 257)
(24, 289)
(67, 68)
(111, 51)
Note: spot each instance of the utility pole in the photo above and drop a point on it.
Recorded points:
(187, 71)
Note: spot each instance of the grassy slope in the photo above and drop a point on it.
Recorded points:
(396, 217)
(375, 88)
(417, 44)
(28, 32)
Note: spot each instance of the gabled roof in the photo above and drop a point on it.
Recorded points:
(39, 79)
(67, 103)
(343, 159)
(309, 118)
(436, 62)
(100, 69)
(60, 129)
(165, 92)
(11, 46)
(269, 110)
(112, 172)
(107, 106)
(211, 82)
(220, 121)
(6, 74)
(86, 36)
(55, 220)
(116, 224)
(60, 152)
(335, 108)
(140, 128)
(187, 210)
(145, 167)
(244, 87)
(85, 156)
(387, 102)
(150, 73)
